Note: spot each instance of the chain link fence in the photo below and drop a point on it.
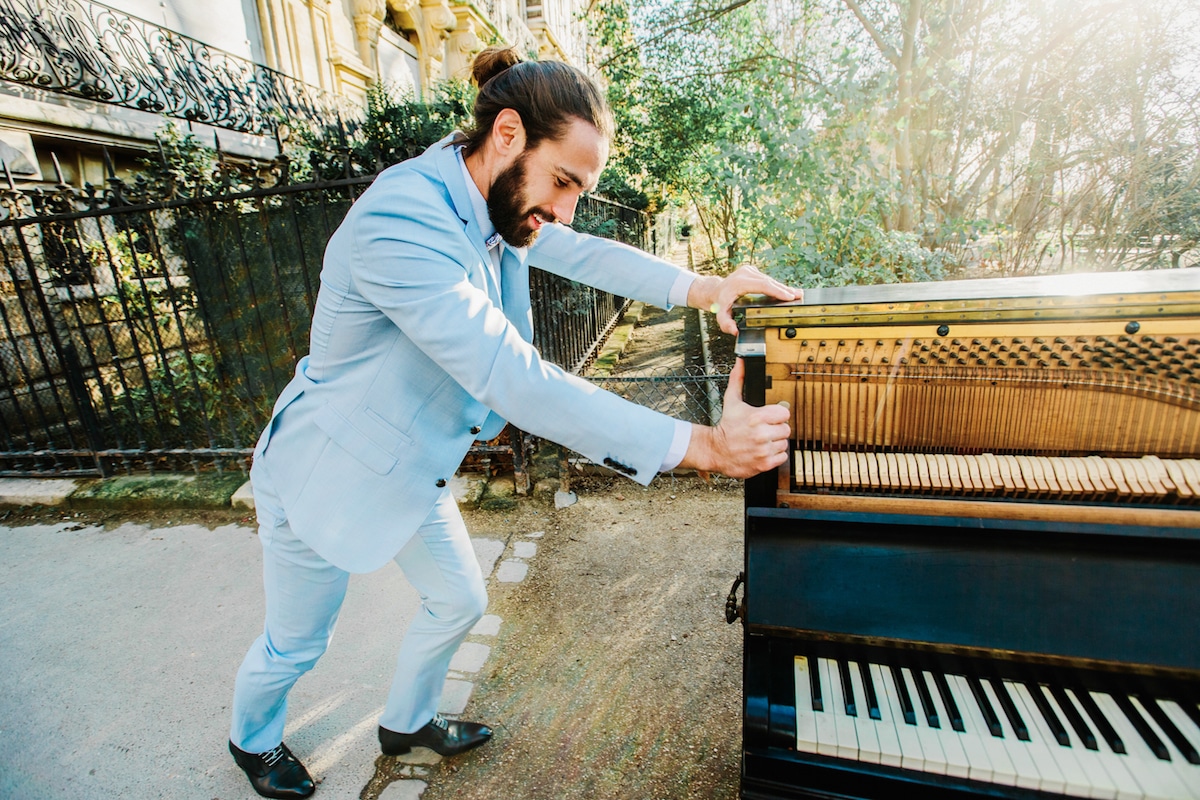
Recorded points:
(691, 393)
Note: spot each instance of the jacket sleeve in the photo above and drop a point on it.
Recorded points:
(409, 265)
(608, 265)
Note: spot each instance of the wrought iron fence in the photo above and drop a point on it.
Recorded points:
(99, 53)
(140, 333)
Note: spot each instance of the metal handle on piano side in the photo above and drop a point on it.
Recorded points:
(733, 609)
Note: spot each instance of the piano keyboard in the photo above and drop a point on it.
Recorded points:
(1066, 740)
(1146, 479)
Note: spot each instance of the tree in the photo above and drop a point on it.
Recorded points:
(880, 139)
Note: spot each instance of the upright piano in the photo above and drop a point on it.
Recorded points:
(979, 573)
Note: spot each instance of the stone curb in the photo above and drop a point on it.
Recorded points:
(170, 490)
(614, 346)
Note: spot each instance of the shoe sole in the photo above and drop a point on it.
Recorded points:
(397, 751)
(403, 749)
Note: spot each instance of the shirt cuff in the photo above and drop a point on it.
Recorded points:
(679, 290)
(679, 446)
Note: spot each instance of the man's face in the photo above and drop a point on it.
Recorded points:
(543, 184)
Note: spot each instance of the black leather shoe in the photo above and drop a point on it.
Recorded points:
(443, 736)
(275, 773)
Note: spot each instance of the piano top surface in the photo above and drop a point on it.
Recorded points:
(1125, 292)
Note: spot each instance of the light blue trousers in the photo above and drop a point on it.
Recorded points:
(304, 594)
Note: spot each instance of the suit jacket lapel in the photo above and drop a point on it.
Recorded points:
(452, 177)
(512, 293)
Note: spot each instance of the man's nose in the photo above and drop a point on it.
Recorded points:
(564, 208)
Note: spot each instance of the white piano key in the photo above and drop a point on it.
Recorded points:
(1115, 764)
(1186, 725)
(890, 751)
(1158, 782)
(952, 746)
(1177, 762)
(1078, 782)
(864, 726)
(843, 723)
(1100, 783)
(986, 754)
(827, 741)
(911, 754)
(931, 745)
(806, 723)
(1042, 744)
(1191, 732)
(1028, 774)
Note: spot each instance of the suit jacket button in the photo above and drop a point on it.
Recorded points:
(475, 429)
(441, 482)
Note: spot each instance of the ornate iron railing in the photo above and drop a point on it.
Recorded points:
(101, 54)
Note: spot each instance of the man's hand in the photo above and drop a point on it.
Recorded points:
(747, 441)
(719, 294)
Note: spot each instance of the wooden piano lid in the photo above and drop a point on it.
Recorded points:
(1110, 295)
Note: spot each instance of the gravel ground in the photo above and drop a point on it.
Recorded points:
(614, 674)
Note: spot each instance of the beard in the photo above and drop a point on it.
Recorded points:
(507, 209)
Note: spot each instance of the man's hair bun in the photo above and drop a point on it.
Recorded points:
(491, 62)
(547, 95)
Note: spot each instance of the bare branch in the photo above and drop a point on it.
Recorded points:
(888, 51)
(685, 23)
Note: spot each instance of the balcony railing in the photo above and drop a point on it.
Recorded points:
(98, 53)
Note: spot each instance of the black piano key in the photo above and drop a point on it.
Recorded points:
(948, 702)
(1167, 726)
(906, 703)
(1074, 717)
(847, 687)
(1139, 724)
(814, 684)
(1056, 726)
(1010, 709)
(985, 706)
(871, 699)
(1107, 732)
(1191, 706)
(931, 715)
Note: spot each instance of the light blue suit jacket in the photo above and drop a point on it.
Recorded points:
(416, 352)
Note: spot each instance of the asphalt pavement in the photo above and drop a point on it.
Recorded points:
(119, 647)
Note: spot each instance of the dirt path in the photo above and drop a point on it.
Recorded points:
(614, 674)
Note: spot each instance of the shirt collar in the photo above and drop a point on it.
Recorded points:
(478, 204)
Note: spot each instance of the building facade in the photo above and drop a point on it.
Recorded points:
(80, 79)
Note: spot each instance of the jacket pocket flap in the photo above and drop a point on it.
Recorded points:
(354, 441)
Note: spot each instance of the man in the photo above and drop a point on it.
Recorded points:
(420, 344)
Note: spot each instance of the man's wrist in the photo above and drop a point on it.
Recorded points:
(680, 441)
(681, 289)
(700, 451)
(703, 292)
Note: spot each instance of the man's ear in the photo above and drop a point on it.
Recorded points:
(508, 133)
